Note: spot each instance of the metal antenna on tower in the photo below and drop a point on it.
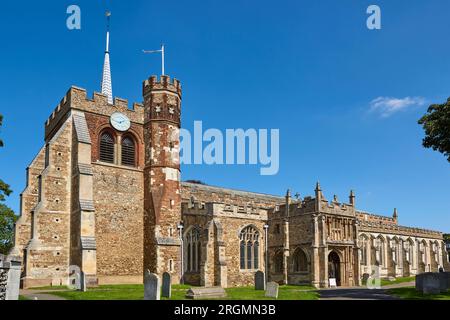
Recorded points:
(162, 51)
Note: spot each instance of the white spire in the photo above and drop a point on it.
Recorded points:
(106, 80)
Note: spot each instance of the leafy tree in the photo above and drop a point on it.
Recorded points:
(7, 221)
(436, 123)
(7, 216)
(4, 188)
(447, 238)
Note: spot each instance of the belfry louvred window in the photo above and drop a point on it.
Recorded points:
(128, 152)
(107, 147)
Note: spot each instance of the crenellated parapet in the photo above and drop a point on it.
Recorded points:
(374, 218)
(337, 208)
(193, 207)
(76, 99)
(164, 83)
(377, 227)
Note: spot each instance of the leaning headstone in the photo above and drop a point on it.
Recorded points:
(260, 281)
(83, 287)
(166, 285)
(152, 288)
(431, 283)
(272, 290)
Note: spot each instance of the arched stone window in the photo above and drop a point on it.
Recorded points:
(249, 248)
(107, 142)
(363, 245)
(128, 151)
(380, 251)
(300, 261)
(278, 262)
(192, 250)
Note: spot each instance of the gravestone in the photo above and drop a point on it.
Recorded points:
(206, 293)
(431, 283)
(260, 281)
(12, 290)
(83, 287)
(419, 282)
(272, 290)
(10, 279)
(444, 280)
(152, 288)
(167, 285)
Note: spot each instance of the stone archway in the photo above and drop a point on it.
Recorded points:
(334, 267)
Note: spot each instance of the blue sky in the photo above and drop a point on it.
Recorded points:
(346, 99)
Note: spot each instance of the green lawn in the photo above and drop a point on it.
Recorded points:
(136, 292)
(385, 282)
(410, 293)
(51, 288)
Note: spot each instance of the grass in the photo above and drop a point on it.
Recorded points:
(23, 298)
(51, 288)
(410, 293)
(385, 282)
(136, 292)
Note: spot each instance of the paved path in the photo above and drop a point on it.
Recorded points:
(39, 295)
(359, 293)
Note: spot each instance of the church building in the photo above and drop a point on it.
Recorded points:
(104, 194)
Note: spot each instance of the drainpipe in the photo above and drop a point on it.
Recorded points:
(266, 266)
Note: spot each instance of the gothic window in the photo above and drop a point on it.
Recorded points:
(278, 262)
(192, 254)
(364, 252)
(107, 147)
(379, 251)
(128, 152)
(300, 261)
(249, 248)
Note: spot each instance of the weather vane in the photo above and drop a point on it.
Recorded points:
(162, 57)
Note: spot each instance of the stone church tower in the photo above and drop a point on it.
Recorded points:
(162, 194)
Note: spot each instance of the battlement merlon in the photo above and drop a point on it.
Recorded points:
(164, 83)
(76, 99)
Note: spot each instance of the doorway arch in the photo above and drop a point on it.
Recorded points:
(334, 267)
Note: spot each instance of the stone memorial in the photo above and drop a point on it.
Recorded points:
(272, 290)
(444, 280)
(152, 288)
(10, 279)
(431, 283)
(419, 282)
(83, 287)
(206, 293)
(167, 285)
(260, 281)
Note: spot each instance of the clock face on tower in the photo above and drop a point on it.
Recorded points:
(120, 122)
